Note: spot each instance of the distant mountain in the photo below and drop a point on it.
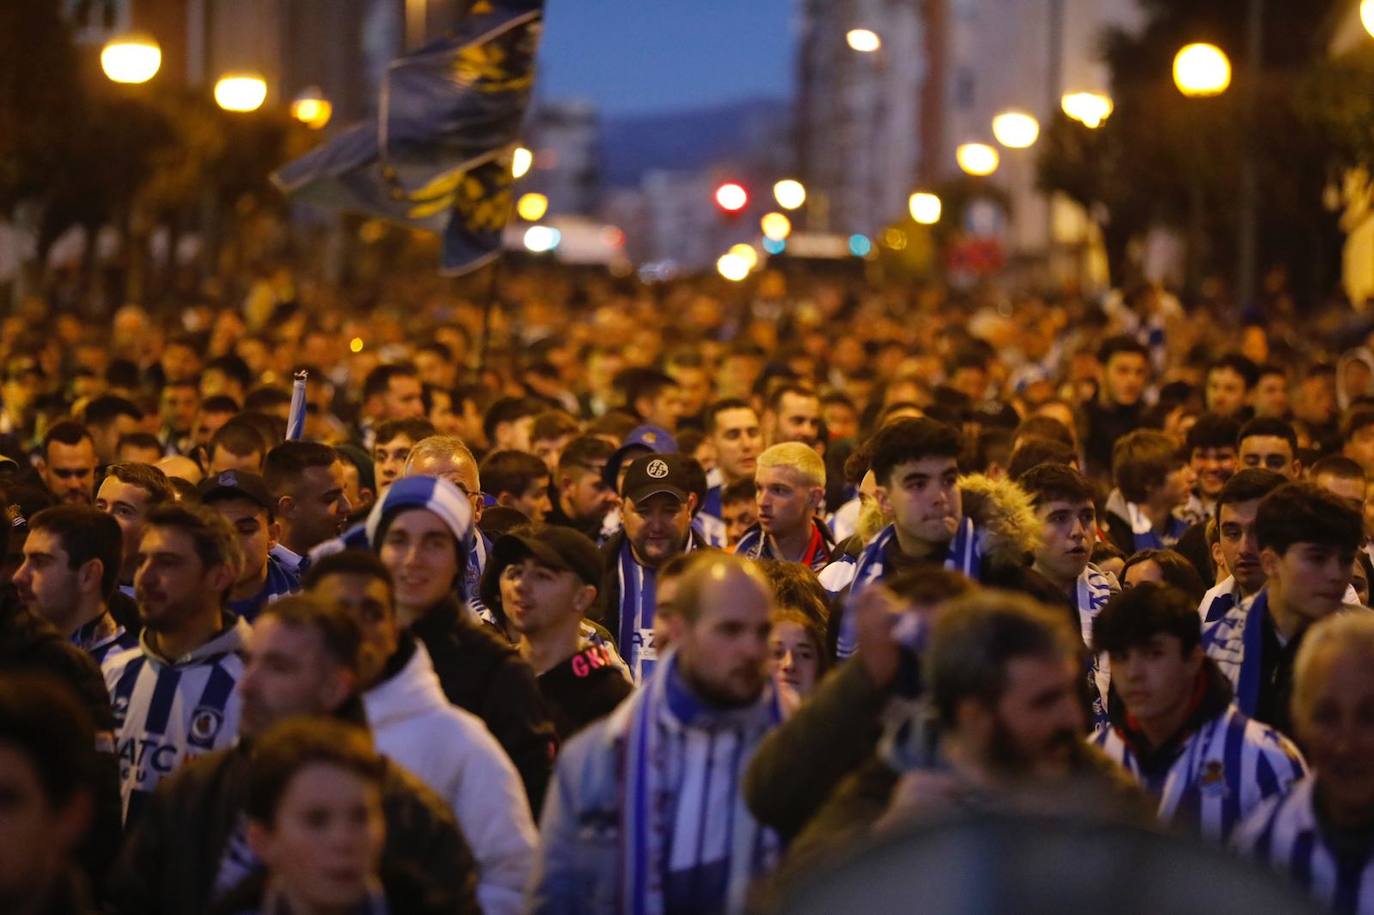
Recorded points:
(686, 140)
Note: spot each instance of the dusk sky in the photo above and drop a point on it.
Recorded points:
(645, 56)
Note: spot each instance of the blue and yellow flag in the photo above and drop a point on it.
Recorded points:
(437, 157)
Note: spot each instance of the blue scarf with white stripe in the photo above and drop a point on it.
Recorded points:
(688, 841)
(965, 556)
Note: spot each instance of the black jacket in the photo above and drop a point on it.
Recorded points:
(585, 687)
(173, 856)
(1102, 426)
(29, 644)
(483, 673)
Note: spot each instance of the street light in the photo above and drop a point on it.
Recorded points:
(732, 197)
(1201, 70)
(521, 161)
(1015, 129)
(789, 193)
(865, 41)
(978, 159)
(1367, 15)
(925, 208)
(131, 59)
(240, 91)
(312, 109)
(532, 207)
(1088, 108)
(775, 226)
(733, 267)
(542, 239)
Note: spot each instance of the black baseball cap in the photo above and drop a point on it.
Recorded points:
(236, 484)
(554, 546)
(657, 473)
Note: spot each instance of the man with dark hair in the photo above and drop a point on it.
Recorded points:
(735, 434)
(1227, 386)
(421, 530)
(108, 418)
(657, 514)
(177, 406)
(306, 480)
(214, 412)
(391, 446)
(127, 494)
(237, 445)
(48, 775)
(739, 509)
(546, 581)
(1357, 433)
(69, 575)
(508, 421)
(1063, 500)
(390, 391)
(67, 463)
(550, 433)
(226, 376)
(1211, 447)
(1307, 542)
(1269, 443)
(139, 448)
(190, 847)
(1116, 410)
(581, 497)
(1153, 480)
(915, 464)
(652, 396)
(518, 480)
(245, 502)
(173, 695)
(1034, 451)
(1176, 728)
(1270, 396)
(1237, 506)
(792, 414)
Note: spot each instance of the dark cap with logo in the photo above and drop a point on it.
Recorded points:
(657, 473)
(236, 484)
(555, 546)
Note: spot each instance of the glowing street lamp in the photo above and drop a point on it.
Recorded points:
(1201, 70)
(775, 226)
(240, 91)
(131, 59)
(745, 253)
(865, 41)
(312, 109)
(521, 161)
(978, 159)
(1367, 15)
(532, 207)
(732, 197)
(733, 267)
(1016, 129)
(789, 193)
(542, 239)
(925, 208)
(1088, 108)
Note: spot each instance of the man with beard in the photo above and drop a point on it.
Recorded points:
(1237, 505)
(1002, 731)
(1176, 728)
(306, 480)
(793, 414)
(173, 695)
(621, 822)
(67, 462)
(657, 526)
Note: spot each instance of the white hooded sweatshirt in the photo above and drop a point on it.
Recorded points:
(453, 753)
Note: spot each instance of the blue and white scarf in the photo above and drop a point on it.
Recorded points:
(965, 555)
(1235, 642)
(755, 544)
(638, 600)
(687, 838)
(1142, 529)
(1091, 593)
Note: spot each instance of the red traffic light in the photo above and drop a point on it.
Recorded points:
(732, 197)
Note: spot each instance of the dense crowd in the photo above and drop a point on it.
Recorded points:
(653, 598)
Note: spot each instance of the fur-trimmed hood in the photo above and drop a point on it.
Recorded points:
(1005, 517)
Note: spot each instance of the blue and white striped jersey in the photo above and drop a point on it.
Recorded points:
(1284, 833)
(1226, 769)
(102, 637)
(170, 711)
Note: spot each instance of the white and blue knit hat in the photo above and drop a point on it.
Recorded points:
(432, 493)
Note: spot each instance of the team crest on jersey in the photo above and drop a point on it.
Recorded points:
(1212, 779)
(205, 724)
